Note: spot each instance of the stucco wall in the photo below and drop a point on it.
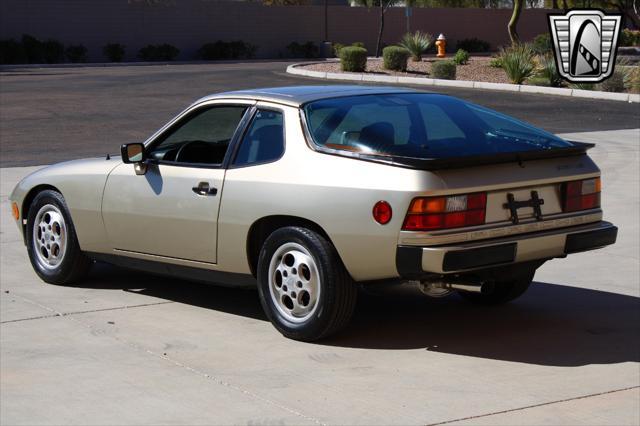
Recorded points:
(187, 24)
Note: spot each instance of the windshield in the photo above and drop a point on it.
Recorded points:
(420, 125)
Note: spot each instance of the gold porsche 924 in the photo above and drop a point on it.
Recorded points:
(308, 191)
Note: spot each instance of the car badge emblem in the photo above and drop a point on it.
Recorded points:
(584, 43)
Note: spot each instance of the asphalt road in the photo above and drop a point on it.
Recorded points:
(49, 115)
(129, 348)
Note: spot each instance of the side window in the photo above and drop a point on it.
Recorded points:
(264, 140)
(201, 138)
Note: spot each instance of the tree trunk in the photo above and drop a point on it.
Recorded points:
(513, 22)
(554, 4)
(565, 6)
(381, 29)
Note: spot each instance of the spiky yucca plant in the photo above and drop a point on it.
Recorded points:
(416, 44)
(518, 61)
(547, 70)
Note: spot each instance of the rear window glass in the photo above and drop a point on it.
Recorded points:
(420, 126)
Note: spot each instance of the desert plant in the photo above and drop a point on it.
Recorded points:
(162, 52)
(542, 44)
(306, 50)
(583, 86)
(461, 57)
(53, 51)
(634, 80)
(416, 43)
(76, 53)
(353, 59)
(443, 69)
(114, 52)
(518, 62)
(538, 81)
(473, 45)
(336, 49)
(615, 83)
(547, 70)
(358, 44)
(495, 62)
(12, 52)
(629, 37)
(395, 58)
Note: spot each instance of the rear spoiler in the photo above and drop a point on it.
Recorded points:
(577, 148)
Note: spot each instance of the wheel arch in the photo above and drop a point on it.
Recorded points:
(26, 204)
(263, 227)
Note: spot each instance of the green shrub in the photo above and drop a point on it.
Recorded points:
(547, 70)
(518, 62)
(53, 51)
(634, 80)
(353, 59)
(495, 62)
(114, 52)
(226, 50)
(538, 81)
(336, 49)
(443, 69)
(629, 37)
(33, 48)
(542, 44)
(416, 43)
(12, 52)
(358, 44)
(395, 58)
(76, 53)
(161, 52)
(473, 45)
(306, 50)
(461, 57)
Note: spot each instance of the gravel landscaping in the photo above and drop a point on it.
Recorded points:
(477, 69)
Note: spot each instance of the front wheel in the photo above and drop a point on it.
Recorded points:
(52, 244)
(304, 288)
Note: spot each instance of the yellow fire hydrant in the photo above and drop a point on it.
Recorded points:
(441, 45)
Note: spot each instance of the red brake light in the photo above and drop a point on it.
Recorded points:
(382, 212)
(581, 195)
(455, 211)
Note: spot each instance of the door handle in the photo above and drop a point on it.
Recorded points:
(203, 188)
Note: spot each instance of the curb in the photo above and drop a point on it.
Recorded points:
(421, 81)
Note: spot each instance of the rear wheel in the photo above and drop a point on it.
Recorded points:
(502, 291)
(52, 244)
(304, 288)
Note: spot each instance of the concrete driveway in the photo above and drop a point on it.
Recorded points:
(130, 348)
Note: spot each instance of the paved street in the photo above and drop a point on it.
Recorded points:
(130, 348)
(55, 114)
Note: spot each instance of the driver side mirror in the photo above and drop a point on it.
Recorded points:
(134, 153)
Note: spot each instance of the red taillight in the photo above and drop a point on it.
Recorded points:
(581, 195)
(382, 212)
(456, 211)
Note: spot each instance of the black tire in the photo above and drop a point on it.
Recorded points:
(337, 293)
(72, 265)
(502, 291)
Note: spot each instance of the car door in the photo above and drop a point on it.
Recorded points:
(172, 209)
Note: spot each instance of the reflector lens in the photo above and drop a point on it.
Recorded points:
(15, 211)
(382, 212)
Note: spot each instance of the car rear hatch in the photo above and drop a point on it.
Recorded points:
(497, 200)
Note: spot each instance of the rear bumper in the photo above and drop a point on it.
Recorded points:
(414, 262)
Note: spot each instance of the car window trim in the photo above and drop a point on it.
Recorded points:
(246, 129)
(177, 121)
